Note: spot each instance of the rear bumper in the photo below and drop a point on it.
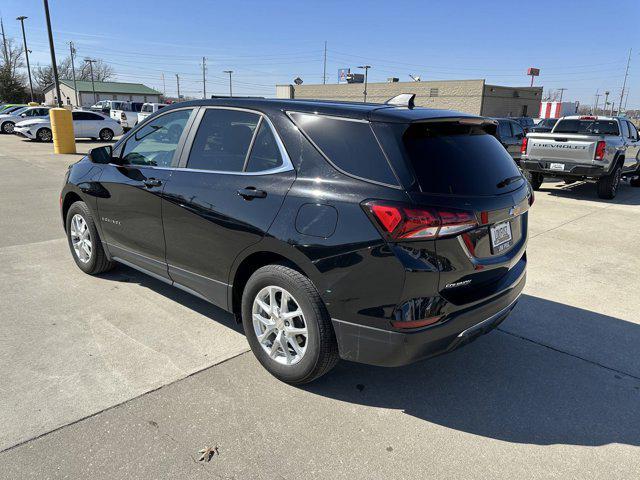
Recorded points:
(388, 348)
(571, 169)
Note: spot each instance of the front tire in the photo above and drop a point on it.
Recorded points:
(7, 127)
(84, 241)
(608, 186)
(44, 135)
(106, 135)
(535, 179)
(287, 325)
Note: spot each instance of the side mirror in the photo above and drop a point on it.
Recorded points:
(102, 155)
(23, 115)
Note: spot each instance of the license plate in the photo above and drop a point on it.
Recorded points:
(556, 166)
(501, 236)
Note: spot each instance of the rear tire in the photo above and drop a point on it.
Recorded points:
(106, 134)
(535, 179)
(44, 135)
(318, 346)
(84, 241)
(608, 186)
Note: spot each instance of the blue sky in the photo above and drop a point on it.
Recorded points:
(269, 42)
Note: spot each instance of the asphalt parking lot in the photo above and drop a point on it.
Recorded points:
(121, 376)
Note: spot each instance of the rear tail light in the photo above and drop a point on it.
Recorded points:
(123, 116)
(523, 147)
(401, 222)
(600, 148)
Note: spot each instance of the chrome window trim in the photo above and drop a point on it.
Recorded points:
(286, 166)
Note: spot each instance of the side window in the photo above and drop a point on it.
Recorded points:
(349, 145)
(625, 129)
(504, 130)
(76, 115)
(633, 131)
(265, 154)
(518, 131)
(93, 116)
(156, 142)
(222, 141)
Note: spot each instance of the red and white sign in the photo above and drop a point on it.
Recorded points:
(557, 109)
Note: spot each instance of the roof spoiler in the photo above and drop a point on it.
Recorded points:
(402, 100)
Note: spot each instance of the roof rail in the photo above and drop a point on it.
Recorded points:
(402, 100)
(213, 97)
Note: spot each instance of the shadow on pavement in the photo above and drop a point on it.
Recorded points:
(507, 388)
(627, 195)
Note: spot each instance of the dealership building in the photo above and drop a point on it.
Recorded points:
(471, 96)
(133, 92)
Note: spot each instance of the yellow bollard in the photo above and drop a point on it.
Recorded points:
(64, 140)
(33, 104)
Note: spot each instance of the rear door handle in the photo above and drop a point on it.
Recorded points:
(251, 192)
(152, 182)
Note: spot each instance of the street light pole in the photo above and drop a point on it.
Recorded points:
(366, 71)
(72, 50)
(230, 86)
(21, 19)
(91, 61)
(54, 66)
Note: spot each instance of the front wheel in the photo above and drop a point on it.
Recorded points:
(84, 241)
(287, 325)
(534, 178)
(44, 135)
(608, 186)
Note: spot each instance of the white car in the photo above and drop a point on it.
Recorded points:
(126, 114)
(85, 125)
(148, 109)
(9, 120)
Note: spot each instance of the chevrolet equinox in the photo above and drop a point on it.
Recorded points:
(377, 233)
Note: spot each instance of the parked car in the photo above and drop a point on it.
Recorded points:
(593, 148)
(105, 106)
(85, 125)
(544, 126)
(8, 121)
(126, 113)
(8, 107)
(525, 122)
(360, 231)
(510, 134)
(149, 109)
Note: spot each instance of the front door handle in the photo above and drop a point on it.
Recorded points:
(251, 192)
(152, 182)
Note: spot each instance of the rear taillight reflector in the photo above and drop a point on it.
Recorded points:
(600, 150)
(399, 222)
(416, 323)
(523, 147)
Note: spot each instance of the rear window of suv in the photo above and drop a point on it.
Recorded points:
(348, 144)
(589, 127)
(458, 159)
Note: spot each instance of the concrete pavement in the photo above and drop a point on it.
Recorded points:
(554, 393)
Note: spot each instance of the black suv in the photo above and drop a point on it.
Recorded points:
(369, 232)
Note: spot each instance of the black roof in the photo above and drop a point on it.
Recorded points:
(369, 111)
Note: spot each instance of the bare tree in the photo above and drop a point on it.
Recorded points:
(12, 81)
(43, 76)
(551, 96)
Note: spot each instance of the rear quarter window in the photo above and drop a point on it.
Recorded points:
(350, 145)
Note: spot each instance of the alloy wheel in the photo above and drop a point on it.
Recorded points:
(81, 238)
(8, 127)
(279, 325)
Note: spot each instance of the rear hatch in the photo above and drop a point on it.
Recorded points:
(475, 197)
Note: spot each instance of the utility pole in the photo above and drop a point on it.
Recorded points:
(606, 101)
(624, 83)
(91, 61)
(324, 71)
(230, 87)
(204, 78)
(366, 71)
(613, 104)
(4, 42)
(54, 66)
(21, 19)
(72, 51)
(178, 83)
(595, 108)
(561, 94)
(164, 87)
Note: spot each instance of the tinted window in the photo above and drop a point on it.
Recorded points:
(147, 108)
(265, 154)
(155, 143)
(223, 140)
(349, 145)
(625, 129)
(85, 116)
(633, 131)
(161, 106)
(450, 158)
(596, 127)
(504, 131)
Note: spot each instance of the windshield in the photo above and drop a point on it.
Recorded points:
(450, 158)
(19, 111)
(593, 127)
(147, 108)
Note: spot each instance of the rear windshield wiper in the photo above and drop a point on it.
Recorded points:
(508, 180)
